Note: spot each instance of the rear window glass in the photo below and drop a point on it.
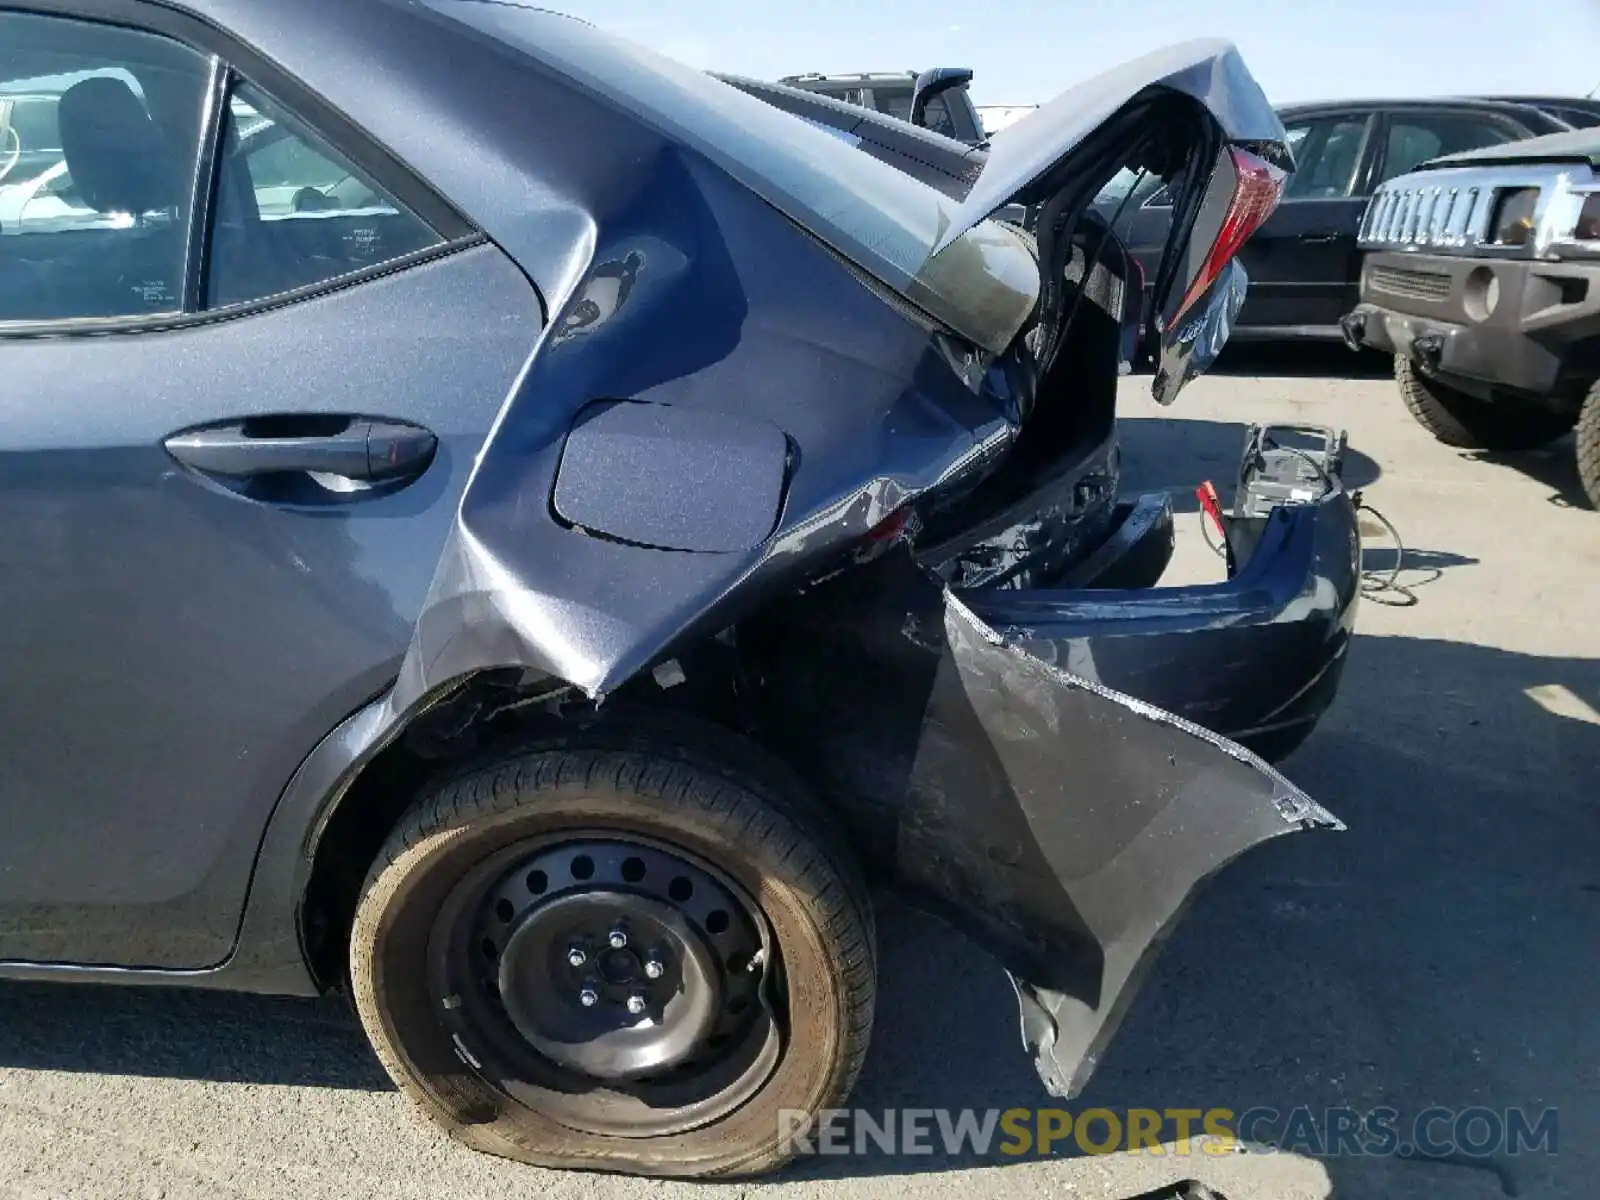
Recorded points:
(896, 102)
(292, 212)
(1415, 140)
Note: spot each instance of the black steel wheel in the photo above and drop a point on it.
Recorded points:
(617, 958)
(641, 981)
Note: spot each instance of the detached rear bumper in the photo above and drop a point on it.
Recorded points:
(1256, 659)
(992, 758)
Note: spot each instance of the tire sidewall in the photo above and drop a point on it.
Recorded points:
(395, 1000)
(1588, 445)
(1465, 422)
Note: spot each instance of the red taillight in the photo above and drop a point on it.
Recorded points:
(1257, 187)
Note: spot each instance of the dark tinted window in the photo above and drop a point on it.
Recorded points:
(99, 135)
(1327, 154)
(1129, 190)
(896, 102)
(32, 121)
(849, 95)
(292, 211)
(1578, 118)
(1414, 138)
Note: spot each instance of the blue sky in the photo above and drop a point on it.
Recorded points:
(1024, 51)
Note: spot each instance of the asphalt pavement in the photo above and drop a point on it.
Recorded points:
(1442, 952)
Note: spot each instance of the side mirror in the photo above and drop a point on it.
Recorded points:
(935, 82)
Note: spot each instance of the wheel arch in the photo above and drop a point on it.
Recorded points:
(358, 783)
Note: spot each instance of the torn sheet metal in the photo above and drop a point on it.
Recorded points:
(1060, 824)
(1128, 806)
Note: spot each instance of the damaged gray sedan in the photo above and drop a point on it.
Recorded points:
(530, 533)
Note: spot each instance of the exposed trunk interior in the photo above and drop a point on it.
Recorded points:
(1052, 501)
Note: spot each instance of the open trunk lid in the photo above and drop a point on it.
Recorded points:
(1025, 155)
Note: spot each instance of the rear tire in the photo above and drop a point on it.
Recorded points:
(445, 1015)
(1467, 422)
(1589, 445)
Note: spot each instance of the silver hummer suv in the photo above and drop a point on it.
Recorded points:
(1481, 275)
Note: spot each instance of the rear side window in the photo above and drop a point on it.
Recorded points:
(1327, 154)
(1578, 118)
(1415, 138)
(896, 102)
(292, 212)
(32, 122)
(99, 140)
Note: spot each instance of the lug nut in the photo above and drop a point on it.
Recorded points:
(636, 1003)
(654, 968)
(618, 938)
(577, 957)
(588, 997)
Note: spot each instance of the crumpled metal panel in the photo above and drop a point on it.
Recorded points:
(1022, 155)
(1129, 807)
(1060, 824)
(878, 409)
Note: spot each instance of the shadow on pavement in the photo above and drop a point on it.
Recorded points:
(1392, 574)
(1554, 466)
(1306, 360)
(1440, 952)
(212, 1036)
(1157, 449)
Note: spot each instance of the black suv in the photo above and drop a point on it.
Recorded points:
(1304, 265)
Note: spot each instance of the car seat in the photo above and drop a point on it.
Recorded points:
(124, 166)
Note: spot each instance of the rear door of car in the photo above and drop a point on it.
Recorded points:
(236, 414)
(1303, 262)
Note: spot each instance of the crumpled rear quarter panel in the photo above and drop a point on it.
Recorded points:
(731, 310)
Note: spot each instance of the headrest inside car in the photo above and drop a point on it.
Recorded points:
(117, 155)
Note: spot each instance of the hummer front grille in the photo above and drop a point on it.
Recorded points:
(1451, 210)
(1440, 216)
(1414, 285)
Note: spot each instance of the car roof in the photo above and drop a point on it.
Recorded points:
(852, 116)
(939, 161)
(1492, 103)
(1534, 121)
(1582, 110)
(1586, 102)
(848, 77)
